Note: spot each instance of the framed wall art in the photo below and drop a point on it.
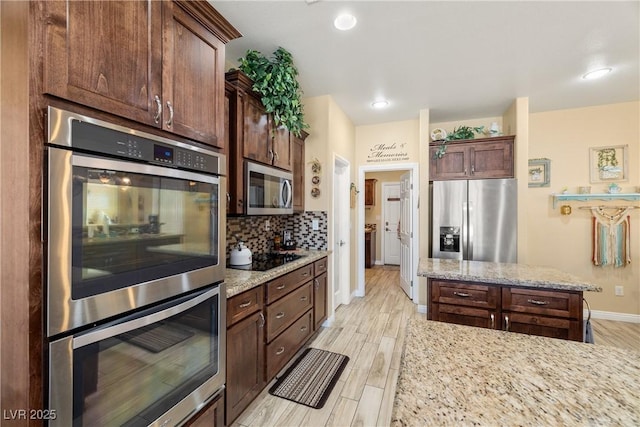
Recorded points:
(539, 172)
(607, 164)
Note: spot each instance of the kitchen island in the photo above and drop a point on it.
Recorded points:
(513, 297)
(459, 375)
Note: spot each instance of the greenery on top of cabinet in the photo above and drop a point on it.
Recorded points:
(276, 81)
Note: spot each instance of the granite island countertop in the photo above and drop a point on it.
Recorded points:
(460, 375)
(238, 281)
(503, 274)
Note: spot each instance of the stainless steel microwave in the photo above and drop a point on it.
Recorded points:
(269, 191)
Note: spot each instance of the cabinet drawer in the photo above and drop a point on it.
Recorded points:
(282, 349)
(319, 267)
(281, 286)
(463, 315)
(243, 305)
(285, 311)
(548, 303)
(466, 294)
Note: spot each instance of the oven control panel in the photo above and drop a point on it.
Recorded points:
(98, 139)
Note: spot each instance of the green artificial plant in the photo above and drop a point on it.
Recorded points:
(461, 132)
(276, 81)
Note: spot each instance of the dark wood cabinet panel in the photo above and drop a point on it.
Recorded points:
(297, 166)
(544, 312)
(319, 300)
(370, 192)
(192, 78)
(106, 55)
(245, 364)
(281, 314)
(160, 63)
(473, 159)
(369, 249)
(212, 415)
(281, 146)
(256, 141)
(244, 304)
(283, 285)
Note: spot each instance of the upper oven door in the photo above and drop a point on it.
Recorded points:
(122, 235)
(269, 190)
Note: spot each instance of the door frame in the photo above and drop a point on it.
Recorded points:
(383, 212)
(414, 168)
(341, 196)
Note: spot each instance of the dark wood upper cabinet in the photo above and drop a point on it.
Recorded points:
(256, 140)
(370, 192)
(297, 154)
(157, 63)
(473, 159)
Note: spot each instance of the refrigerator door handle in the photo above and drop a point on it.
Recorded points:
(465, 245)
(469, 219)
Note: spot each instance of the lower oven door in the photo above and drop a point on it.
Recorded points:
(155, 367)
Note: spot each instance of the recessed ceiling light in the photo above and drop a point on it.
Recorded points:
(380, 104)
(596, 74)
(345, 22)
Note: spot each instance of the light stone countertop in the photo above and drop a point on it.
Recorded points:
(238, 281)
(503, 274)
(460, 375)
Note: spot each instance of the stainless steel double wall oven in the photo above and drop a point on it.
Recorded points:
(135, 298)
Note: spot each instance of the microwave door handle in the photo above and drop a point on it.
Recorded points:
(287, 199)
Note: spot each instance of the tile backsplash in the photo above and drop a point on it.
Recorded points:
(251, 230)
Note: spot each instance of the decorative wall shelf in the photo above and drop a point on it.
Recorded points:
(631, 197)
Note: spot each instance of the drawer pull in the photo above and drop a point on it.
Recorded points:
(493, 321)
(280, 351)
(537, 302)
(506, 323)
(303, 329)
(303, 298)
(316, 283)
(261, 321)
(461, 294)
(281, 287)
(305, 274)
(245, 304)
(280, 315)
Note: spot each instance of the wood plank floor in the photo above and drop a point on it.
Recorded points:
(371, 332)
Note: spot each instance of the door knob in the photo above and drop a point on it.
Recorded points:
(342, 243)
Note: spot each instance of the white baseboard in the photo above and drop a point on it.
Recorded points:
(422, 308)
(379, 262)
(611, 315)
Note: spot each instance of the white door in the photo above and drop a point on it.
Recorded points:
(341, 249)
(406, 233)
(391, 240)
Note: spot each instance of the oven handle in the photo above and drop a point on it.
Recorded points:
(142, 168)
(143, 318)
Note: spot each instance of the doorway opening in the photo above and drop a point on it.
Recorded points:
(341, 230)
(406, 230)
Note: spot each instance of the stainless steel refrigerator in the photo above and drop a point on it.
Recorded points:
(474, 220)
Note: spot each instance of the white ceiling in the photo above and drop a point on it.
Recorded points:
(459, 59)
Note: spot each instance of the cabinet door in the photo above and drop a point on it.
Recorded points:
(297, 153)
(245, 364)
(319, 300)
(256, 135)
(491, 160)
(370, 192)
(212, 415)
(281, 146)
(192, 78)
(106, 55)
(453, 165)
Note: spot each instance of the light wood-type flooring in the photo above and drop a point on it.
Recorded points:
(371, 332)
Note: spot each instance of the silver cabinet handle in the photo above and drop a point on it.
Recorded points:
(158, 114)
(465, 171)
(473, 169)
(281, 287)
(245, 304)
(493, 321)
(275, 155)
(280, 315)
(303, 298)
(303, 329)
(316, 283)
(170, 121)
(280, 351)
(537, 302)
(506, 323)
(228, 198)
(271, 155)
(305, 274)
(461, 294)
(262, 321)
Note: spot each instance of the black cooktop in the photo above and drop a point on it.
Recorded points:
(267, 261)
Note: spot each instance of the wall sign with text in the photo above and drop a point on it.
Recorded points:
(393, 152)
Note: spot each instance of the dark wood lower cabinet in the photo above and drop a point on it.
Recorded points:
(212, 415)
(548, 313)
